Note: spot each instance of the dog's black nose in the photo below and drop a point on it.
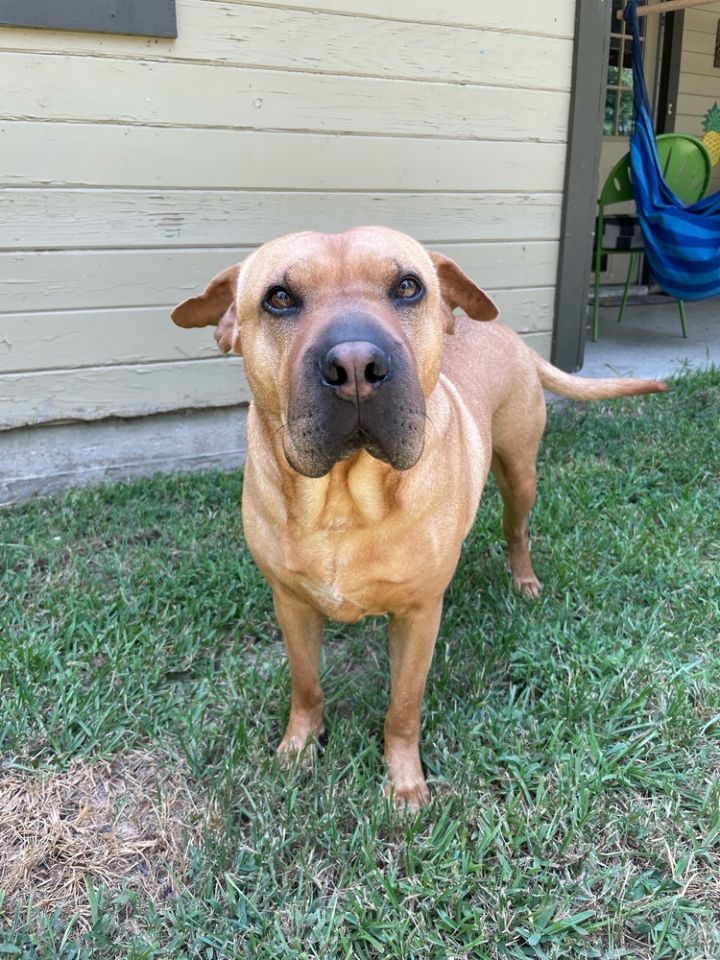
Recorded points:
(355, 369)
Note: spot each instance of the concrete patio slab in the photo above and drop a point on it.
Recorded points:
(649, 342)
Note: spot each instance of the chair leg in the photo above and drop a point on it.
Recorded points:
(683, 318)
(627, 287)
(596, 298)
(596, 309)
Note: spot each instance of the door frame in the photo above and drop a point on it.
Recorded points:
(670, 54)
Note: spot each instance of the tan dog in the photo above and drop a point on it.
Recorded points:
(370, 438)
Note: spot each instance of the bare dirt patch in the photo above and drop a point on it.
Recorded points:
(126, 824)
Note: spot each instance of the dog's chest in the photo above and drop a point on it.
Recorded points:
(339, 600)
(351, 574)
(363, 542)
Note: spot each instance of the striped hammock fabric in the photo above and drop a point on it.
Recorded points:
(682, 243)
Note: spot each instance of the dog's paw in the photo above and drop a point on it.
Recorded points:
(408, 798)
(299, 747)
(528, 586)
(524, 580)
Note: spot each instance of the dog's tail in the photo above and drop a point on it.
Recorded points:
(586, 388)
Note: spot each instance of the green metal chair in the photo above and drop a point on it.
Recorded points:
(687, 169)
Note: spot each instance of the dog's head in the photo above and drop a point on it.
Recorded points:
(342, 336)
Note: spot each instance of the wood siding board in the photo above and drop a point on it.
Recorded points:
(699, 64)
(691, 123)
(267, 38)
(541, 342)
(702, 43)
(103, 155)
(80, 280)
(151, 18)
(92, 393)
(696, 85)
(68, 280)
(124, 337)
(93, 338)
(526, 311)
(144, 92)
(702, 20)
(694, 107)
(96, 219)
(512, 15)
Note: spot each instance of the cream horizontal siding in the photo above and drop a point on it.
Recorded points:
(74, 339)
(77, 280)
(91, 393)
(106, 90)
(88, 338)
(278, 38)
(102, 155)
(517, 16)
(134, 169)
(95, 219)
(699, 83)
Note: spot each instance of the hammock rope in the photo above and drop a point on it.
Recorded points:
(682, 243)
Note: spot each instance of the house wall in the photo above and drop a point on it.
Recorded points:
(133, 169)
(699, 85)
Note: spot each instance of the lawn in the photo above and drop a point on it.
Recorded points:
(572, 744)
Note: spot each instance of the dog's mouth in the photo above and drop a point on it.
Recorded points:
(312, 447)
(365, 441)
(374, 449)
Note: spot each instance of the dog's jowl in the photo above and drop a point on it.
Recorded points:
(377, 414)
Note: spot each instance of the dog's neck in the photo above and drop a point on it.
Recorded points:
(358, 492)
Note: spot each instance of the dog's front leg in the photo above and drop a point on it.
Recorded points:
(412, 641)
(302, 628)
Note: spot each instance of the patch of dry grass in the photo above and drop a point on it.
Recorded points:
(126, 824)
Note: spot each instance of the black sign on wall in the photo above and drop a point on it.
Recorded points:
(146, 18)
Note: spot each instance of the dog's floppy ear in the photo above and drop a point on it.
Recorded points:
(215, 306)
(458, 290)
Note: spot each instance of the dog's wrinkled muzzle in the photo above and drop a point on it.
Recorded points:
(356, 388)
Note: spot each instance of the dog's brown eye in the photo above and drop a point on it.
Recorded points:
(280, 299)
(409, 288)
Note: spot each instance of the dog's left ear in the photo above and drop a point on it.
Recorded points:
(458, 290)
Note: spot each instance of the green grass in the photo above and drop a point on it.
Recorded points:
(572, 745)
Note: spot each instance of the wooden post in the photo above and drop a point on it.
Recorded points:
(587, 106)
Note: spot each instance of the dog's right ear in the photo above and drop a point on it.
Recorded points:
(215, 306)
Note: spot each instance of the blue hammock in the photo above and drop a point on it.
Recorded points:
(682, 243)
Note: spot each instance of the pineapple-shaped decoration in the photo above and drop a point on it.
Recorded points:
(711, 126)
